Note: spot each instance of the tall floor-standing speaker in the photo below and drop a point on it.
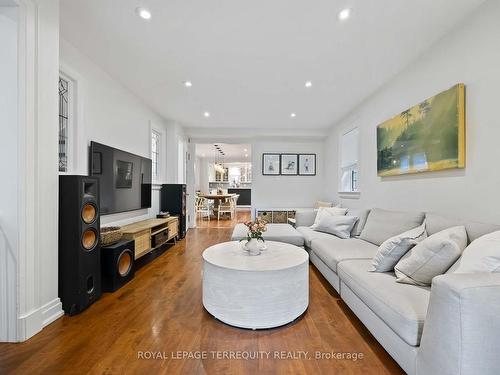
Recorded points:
(173, 200)
(79, 245)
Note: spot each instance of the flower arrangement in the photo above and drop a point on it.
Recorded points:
(255, 229)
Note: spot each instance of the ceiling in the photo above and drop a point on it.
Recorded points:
(231, 151)
(248, 60)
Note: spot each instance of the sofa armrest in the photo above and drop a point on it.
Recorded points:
(305, 217)
(462, 329)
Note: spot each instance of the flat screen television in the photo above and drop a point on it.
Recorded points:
(124, 178)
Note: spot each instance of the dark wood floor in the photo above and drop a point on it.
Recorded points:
(160, 312)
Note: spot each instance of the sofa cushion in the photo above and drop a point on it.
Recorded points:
(340, 226)
(334, 250)
(362, 215)
(436, 223)
(275, 232)
(402, 307)
(304, 217)
(310, 234)
(383, 224)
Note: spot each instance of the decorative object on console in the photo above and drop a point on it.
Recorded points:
(289, 164)
(482, 255)
(427, 137)
(307, 164)
(117, 265)
(393, 249)
(431, 257)
(271, 164)
(79, 247)
(173, 200)
(110, 235)
(163, 215)
(326, 212)
(254, 236)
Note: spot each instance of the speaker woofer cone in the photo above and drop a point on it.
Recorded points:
(89, 213)
(89, 239)
(124, 263)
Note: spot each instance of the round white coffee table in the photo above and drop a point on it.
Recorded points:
(263, 291)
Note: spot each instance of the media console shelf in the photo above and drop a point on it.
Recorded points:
(151, 233)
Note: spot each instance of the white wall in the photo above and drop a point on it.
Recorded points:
(469, 54)
(111, 115)
(9, 199)
(286, 191)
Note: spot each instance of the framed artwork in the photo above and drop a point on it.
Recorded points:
(427, 137)
(271, 164)
(289, 164)
(307, 164)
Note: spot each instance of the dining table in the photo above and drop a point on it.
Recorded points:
(217, 198)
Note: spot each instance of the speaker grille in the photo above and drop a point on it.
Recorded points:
(89, 213)
(125, 262)
(89, 239)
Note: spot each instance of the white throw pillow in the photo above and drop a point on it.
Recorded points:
(482, 255)
(340, 226)
(327, 212)
(431, 257)
(319, 204)
(393, 249)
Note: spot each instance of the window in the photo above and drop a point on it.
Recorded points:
(155, 154)
(349, 162)
(64, 117)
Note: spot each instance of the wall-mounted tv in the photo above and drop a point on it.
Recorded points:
(124, 178)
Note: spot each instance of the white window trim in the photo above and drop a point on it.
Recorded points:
(156, 177)
(348, 194)
(161, 153)
(76, 145)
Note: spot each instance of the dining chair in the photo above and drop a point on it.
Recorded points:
(203, 208)
(234, 201)
(225, 207)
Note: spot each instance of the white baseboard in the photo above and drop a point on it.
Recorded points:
(33, 322)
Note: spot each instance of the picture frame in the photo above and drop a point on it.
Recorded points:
(271, 164)
(307, 165)
(289, 164)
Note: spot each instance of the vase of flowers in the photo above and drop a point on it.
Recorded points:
(255, 241)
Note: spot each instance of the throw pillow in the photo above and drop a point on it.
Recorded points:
(363, 215)
(326, 212)
(482, 255)
(339, 226)
(393, 249)
(319, 204)
(431, 257)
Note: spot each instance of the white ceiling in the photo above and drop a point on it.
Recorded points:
(231, 151)
(249, 60)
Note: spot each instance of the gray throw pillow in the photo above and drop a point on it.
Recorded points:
(431, 257)
(393, 249)
(339, 226)
(384, 224)
(482, 255)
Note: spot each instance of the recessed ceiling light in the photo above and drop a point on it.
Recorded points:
(344, 14)
(292, 115)
(188, 84)
(308, 84)
(202, 155)
(245, 150)
(246, 155)
(143, 13)
(206, 114)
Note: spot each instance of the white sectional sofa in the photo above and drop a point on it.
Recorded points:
(452, 327)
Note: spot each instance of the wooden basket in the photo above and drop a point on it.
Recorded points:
(110, 235)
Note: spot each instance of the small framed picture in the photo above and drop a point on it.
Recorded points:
(289, 164)
(307, 164)
(270, 164)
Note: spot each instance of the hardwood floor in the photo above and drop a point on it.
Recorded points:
(159, 314)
